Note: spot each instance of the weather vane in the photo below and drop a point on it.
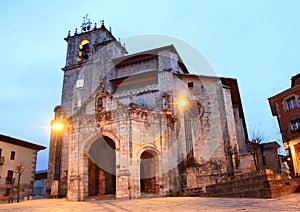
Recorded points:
(86, 24)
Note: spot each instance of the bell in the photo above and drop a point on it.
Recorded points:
(84, 55)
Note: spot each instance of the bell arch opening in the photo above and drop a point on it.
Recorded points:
(148, 167)
(84, 50)
(102, 167)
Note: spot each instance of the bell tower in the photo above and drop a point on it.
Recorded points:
(88, 61)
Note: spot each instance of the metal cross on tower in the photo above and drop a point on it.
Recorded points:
(86, 24)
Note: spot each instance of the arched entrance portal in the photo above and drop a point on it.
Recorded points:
(102, 167)
(147, 172)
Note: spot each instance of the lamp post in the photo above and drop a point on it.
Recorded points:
(57, 129)
(63, 127)
(185, 104)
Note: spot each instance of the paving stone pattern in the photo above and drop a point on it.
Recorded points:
(287, 203)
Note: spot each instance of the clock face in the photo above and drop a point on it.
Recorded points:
(79, 83)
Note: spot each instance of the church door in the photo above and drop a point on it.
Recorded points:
(102, 167)
(147, 173)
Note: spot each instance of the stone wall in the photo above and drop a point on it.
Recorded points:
(214, 171)
(271, 159)
(205, 174)
(247, 163)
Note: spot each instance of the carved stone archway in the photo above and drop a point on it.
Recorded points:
(102, 167)
(148, 171)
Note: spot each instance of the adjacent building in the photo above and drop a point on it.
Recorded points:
(40, 184)
(286, 107)
(131, 125)
(14, 152)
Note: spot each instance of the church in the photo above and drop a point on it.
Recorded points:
(137, 125)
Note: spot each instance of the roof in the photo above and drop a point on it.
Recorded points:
(41, 171)
(295, 80)
(40, 175)
(20, 142)
(148, 54)
(282, 94)
(270, 144)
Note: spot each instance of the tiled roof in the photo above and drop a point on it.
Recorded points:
(20, 142)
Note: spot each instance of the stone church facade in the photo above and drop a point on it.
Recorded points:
(137, 124)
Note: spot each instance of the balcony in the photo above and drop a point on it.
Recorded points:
(9, 180)
(2, 159)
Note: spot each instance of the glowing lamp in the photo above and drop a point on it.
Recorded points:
(57, 126)
(182, 102)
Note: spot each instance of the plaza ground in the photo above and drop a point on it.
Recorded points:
(287, 203)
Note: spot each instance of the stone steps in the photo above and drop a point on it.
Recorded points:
(254, 185)
(192, 191)
(102, 197)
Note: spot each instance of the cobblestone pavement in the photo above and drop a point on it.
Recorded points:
(287, 203)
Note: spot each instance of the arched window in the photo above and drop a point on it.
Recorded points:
(100, 103)
(84, 50)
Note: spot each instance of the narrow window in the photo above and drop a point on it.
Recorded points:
(9, 177)
(295, 124)
(100, 103)
(264, 160)
(291, 103)
(1, 158)
(12, 155)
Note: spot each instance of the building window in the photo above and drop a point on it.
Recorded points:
(264, 160)
(0, 152)
(295, 124)
(9, 177)
(291, 103)
(12, 155)
(7, 192)
(190, 84)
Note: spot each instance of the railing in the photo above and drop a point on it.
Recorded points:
(9, 180)
(2, 159)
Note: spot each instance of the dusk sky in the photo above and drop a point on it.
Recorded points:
(255, 41)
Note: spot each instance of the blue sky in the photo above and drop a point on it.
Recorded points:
(255, 41)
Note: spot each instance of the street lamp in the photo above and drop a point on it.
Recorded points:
(185, 105)
(182, 102)
(57, 126)
(61, 128)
